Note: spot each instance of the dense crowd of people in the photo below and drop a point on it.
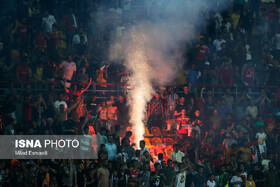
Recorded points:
(217, 139)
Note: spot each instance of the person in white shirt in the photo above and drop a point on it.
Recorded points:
(69, 70)
(77, 37)
(211, 181)
(261, 136)
(180, 179)
(47, 22)
(236, 180)
(111, 148)
(60, 101)
(101, 138)
(218, 43)
(177, 155)
(143, 149)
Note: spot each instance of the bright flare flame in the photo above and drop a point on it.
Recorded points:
(140, 81)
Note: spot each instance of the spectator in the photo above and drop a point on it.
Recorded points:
(128, 149)
(261, 138)
(199, 178)
(156, 112)
(24, 71)
(272, 178)
(177, 155)
(156, 177)
(248, 74)
(145, 176)
(60, 101)
(168, 173)
(201, 51)
(122, 175)
(222, 109)
(69, 70)
(79, 34)
(180, 178)
(111, 148)
(103, 174)
(258, 175)
(252, 110)
(229, 100)
(236, 180)
(211, 181)
(81, 179)
(70, 174)
(48, 21)
(226, 74)
(143, 148)
(218, 42)
(192, 74)
(70, 24)
(250, 182)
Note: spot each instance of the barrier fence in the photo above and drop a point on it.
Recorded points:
(118, 88)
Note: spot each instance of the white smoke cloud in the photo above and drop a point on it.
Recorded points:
(154, 50)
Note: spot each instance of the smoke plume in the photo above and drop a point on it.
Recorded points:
(154, 48)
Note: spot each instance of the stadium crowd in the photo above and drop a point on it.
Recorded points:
(218, 139)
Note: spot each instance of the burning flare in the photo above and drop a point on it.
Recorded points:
(141, 82)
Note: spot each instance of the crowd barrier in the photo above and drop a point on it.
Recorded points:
(118, 88)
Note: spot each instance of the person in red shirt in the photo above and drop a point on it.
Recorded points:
(208, 149)
(27, 109)
(226, 74)
(40, 42)
(76, 92)
(70, 25)
(248, 74)
(133, 176)
(201, 50)
(23, 71)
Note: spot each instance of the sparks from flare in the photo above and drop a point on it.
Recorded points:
(141, 82)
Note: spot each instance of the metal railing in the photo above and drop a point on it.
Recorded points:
(118, 88)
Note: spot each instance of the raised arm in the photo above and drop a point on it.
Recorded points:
(73, 106)
(201, 94)
(90, 80)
